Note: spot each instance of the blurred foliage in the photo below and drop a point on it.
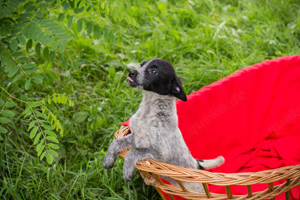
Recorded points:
(33, 43)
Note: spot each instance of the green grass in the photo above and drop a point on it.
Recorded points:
(205, 40)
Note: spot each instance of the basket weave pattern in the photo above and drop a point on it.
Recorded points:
(151, 171)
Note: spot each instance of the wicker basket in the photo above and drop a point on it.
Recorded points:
(151, 171)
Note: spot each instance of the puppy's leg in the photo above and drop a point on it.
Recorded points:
(132, 157)
(212, 163)
(116, 147)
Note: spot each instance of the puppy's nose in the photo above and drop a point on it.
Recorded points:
(132, 73)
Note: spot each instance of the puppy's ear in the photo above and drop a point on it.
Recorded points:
(177, 90)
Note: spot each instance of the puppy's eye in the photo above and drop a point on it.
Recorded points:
(153, 71)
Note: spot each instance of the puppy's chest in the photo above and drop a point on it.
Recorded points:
(139, 125)
(140, 120)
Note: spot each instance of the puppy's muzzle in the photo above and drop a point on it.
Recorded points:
(132, 74)
(132, 78)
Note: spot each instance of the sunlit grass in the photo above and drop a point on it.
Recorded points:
(205, 41)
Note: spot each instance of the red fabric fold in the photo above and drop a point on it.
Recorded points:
(251, 117)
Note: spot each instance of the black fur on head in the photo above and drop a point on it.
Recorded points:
(157, 75)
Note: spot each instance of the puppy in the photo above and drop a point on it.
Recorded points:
(154, 127)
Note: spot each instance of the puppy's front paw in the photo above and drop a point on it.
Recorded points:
(108, 161)
(128, 176)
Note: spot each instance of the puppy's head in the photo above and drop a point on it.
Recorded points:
(157, 75)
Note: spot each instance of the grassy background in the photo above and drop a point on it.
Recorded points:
(205, 40)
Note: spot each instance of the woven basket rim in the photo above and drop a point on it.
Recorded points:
(215, 178)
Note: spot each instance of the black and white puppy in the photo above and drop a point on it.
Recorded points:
(154, 127)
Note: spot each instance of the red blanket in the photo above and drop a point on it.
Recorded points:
(251, 117)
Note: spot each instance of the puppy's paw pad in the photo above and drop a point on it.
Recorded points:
(108, 162)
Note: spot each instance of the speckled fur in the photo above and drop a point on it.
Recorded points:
(155, 134)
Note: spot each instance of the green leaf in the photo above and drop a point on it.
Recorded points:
(38, 76)
(36, 139)
(43, 155)
(11, 104)
(31, 125)
(41, 149)
(66, 6)
(8, 66)
(33, 132)
(54, 46)
(102, 5)
(50, 133)
(48, 127)
(46, 53)
(4, 60)
(38, 80)
(35, 104)
(17, 54)
(106, 33)
(15, 87)
(14, 44)
(22, 39)
(53, 146)
(61, 48)
(17, 78)
(31, 8)
(1, 102)
(44, 5)
(38, 49)
(49, 159)
(36, 21)
(82, 2)
(32, 70)
(4, 120)
(128, 19)
(45, 39)
(112, 38)
(115, 15)
(80, 117)
(61, 17)
(60, 57)
(2, 14)
(40, 37)
(52, 56)
(52, 139)
(120, 41)
(70, 20)
(75, 66)
(28, 4)
(27, 111)
(8, 113)
(28, 66)
(42, 115)
(27, 84)
(53, 152)
(29, 45)
(23, 59)
(120, 16)
(38, 147)
(32, 31)
(64, 64)
(50, 39)
(79, 25)
(39, 14)
(3, 130)
(13, 71)
(89, 27)
(78, 10)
